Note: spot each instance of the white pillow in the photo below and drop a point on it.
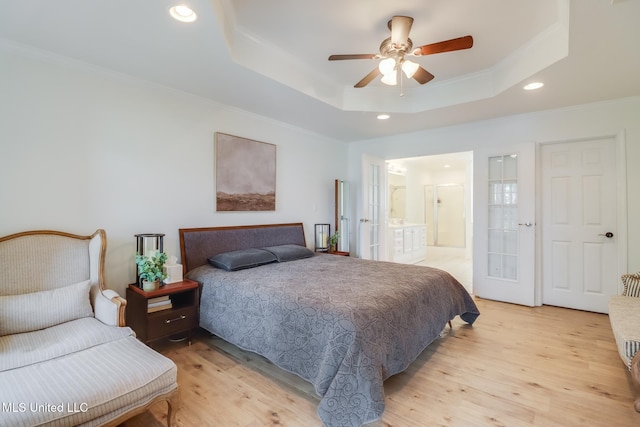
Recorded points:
(39, 310)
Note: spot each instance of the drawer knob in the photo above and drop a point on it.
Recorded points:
(176, 319)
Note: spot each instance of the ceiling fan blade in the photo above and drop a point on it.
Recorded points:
(400, 27)
(422, 76)
(357, 56)
(445, 46)
(368, 78)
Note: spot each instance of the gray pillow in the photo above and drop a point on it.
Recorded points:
(285, 253)
(241, 259)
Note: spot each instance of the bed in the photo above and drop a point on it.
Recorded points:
(344, 324)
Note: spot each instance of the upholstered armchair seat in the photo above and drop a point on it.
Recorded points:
(66, 358)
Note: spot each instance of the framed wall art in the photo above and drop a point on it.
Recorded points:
(245, 174)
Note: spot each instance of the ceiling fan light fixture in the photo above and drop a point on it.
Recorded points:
(387, 66)
(409, 68)
(394, 49)
(390, 79)
(183, 13)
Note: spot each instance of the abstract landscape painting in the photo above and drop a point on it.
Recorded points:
(245, 174)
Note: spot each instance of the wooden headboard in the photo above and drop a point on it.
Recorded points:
(197, 245)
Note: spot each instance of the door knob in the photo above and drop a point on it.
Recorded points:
(526, 224)
(608, 234)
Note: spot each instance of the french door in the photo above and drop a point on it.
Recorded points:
(372, 225)
(504, 224)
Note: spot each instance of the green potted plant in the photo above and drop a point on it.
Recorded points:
(150, 270)
(333, 241)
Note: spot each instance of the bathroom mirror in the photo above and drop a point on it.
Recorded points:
(397, 198)
(342, 215)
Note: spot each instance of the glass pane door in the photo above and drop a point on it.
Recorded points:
(504, 223)
(503, 217)
(374, 212)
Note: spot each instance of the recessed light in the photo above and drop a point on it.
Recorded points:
(183, 13)
(533, 86)
(447, 166)
(383, 116)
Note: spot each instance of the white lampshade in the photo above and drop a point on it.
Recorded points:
(390, 79)
(387, 66)
(409, 68)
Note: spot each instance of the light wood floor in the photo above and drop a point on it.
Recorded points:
(454, 260)
(517, 366)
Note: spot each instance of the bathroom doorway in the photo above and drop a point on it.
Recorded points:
(415, 186)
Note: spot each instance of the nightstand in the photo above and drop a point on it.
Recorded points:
(168, 311)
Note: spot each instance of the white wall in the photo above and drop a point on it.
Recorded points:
(83, 149)
(585, 121)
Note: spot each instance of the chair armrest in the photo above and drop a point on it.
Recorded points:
(109, 307)
(635, 378)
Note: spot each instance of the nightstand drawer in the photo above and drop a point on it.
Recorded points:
(172, 321)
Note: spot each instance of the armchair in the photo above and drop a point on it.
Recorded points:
(66, 357)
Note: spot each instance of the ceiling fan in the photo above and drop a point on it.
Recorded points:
(394, 49)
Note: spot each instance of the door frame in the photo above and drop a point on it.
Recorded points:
(621, 193)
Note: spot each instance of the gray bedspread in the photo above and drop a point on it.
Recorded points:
(343, 324)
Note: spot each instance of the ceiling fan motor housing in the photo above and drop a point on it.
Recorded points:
(389, 49)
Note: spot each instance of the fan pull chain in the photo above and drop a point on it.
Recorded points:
(401, 83)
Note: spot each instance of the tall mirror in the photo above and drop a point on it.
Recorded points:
(342, 215)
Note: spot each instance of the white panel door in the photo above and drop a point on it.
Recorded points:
(504, 224)
(373, 224)
(579, 208)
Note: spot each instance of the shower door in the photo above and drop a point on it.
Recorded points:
(445, 215)
(451, 220)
